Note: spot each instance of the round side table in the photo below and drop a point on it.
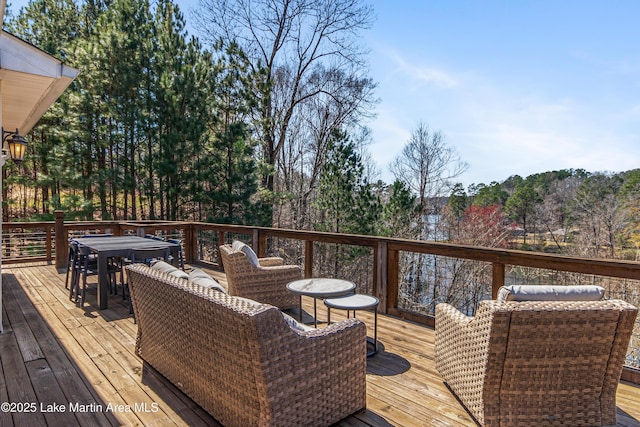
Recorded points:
(357, 302)
(319, 287)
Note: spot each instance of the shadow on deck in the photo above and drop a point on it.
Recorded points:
(66, 365)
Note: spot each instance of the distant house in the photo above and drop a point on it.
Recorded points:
(515, 230)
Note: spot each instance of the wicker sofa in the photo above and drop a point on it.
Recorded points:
(260, 279)
(243, 361)
(536, 363)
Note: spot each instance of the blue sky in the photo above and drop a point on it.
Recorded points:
(516, 87)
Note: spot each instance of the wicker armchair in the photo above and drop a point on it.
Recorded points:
(536, 363)
(241, 361)
(266, 283)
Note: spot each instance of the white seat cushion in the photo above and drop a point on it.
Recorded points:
(294, 324)
(550, 293)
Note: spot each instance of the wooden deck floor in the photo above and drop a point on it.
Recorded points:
(66, 365)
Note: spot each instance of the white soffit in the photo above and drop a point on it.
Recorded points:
(32, 81)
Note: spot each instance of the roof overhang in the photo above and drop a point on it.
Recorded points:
(31, 79)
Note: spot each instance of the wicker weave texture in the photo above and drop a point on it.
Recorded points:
(536, 363)
(266, 283)
(241, 361)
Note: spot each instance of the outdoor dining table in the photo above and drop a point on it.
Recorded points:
(119, 246)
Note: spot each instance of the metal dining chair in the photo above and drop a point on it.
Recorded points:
(71, 263)
(85, 264)
(114, 263)
(153, 237)
(145, 256)
(180, 251)
(148, 255)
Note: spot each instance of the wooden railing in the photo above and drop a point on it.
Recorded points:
(386, 253)
(27, 242)
(385, 250)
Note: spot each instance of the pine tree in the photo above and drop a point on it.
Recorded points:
(346, 201)
(400, 212)
(53, 26)
(231, 177)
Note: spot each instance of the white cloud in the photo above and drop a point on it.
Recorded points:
(420, 73)
(537, 136)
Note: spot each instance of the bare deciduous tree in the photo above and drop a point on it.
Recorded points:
(428, 166)
(597, 210)
(306, 50)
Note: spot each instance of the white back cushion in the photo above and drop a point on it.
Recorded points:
(237, 245)
(550, 293)
(165, 267)
(201, 278)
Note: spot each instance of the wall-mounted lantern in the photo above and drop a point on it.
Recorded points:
(13, 145)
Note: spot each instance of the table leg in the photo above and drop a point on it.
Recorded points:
(300, 309)
(375, 326)
(315, 314)
(103, 279)
(173, 250)
(375, 333)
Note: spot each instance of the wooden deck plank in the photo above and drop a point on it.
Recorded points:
(193, 414)
(126, 366)
(5, 417)
(110, 330)
(75, 386)
(19, 388)
(72, 386)
(88, 356)
(50, 398)
(18, 307)
(366, 418)
(124, 382)
(100, 388)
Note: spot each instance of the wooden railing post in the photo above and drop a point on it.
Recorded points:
(498, 279)
(393, 287)
(117, 230)
(189, 245)
(308, 258)
(381, 254)
(61, 240)
(260, 239)
(48, 245)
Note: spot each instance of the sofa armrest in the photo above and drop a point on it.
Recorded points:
(325, 365)
(269, 285)
(470, 355)
(446, 313)
(279, 270)
(452, 340)
(270, 261)
(266, 284)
